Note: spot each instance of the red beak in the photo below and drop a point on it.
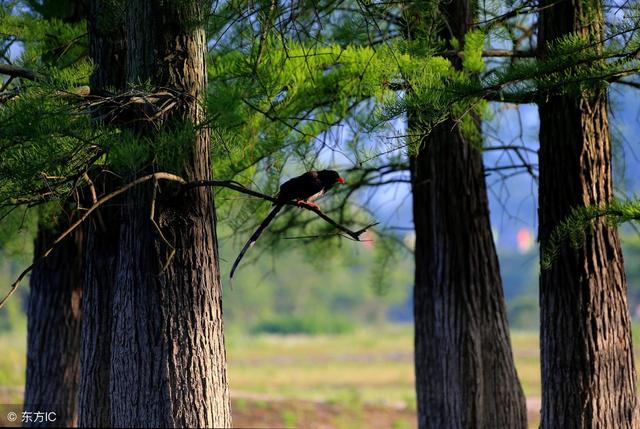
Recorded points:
(341, 180)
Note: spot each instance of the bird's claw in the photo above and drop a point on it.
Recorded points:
(302, 203)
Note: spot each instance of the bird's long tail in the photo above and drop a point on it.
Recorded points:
(254, 237)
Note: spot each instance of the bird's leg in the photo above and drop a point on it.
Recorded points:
(303, 203)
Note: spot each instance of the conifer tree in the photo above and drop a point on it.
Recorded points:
(54, 303)
(588, 373)
(167, 349)
(470, 383)
(465, 373)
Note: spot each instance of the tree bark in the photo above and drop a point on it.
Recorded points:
(465, 373)
(53, 336)
(168, 366)
(101, 251)
(588, 374)
(107, 50)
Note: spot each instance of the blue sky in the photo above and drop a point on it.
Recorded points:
(513, 201)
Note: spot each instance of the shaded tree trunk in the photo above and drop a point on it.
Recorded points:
(465, 373)
(54, 311)
(588, 375)
(168, 366)
(107, 50)
(53, 336)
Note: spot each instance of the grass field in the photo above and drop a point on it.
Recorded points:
(360, 380)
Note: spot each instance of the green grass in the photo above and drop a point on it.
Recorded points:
(13, 359)
(349, 370)
(364, 366)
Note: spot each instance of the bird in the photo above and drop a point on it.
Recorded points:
(303, 190)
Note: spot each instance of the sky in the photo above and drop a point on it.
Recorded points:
(513, 201)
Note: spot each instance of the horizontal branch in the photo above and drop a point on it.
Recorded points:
(528, 167)
(496, 53)
(355, 235)
(239, 188)
(15, 71)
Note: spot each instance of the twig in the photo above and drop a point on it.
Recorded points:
(155, 224)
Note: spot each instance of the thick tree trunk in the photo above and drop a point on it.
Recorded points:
(168, 356)
(588, 375)
(107, 50)
(53, 338)
(465, 373)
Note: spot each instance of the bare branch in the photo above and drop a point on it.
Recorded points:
(15, 71)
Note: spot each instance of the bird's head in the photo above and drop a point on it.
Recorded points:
(330, 177)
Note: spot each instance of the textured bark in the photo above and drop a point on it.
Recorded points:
(465, 374)
(168, 357)
(53, 338)
(107, 50)
(588, 375)
(100, 268)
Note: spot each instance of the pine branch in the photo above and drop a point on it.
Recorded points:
(575, 227)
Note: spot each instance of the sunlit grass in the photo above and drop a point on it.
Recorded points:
(350, 370)
(13, 359)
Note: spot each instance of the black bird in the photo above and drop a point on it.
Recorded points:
(303, 190)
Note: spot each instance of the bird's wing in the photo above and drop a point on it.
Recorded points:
(272, 214)
(301, 187)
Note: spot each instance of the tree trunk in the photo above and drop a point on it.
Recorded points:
(168, 366)
(54, 311)
(53, 337)
(107, 50)
(588, 375)
(465, 374)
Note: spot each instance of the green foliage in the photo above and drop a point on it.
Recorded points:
(524, 313)
(293, 285)
(575, 227)
(46, 42)
(630, 241)
(45, 145)
(572, 65)
(473, 46)
(388, 251)
(12, 317)
(290, 98)
(129, 153)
